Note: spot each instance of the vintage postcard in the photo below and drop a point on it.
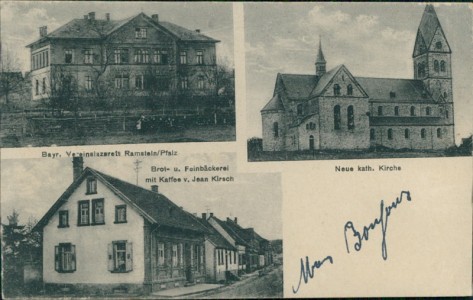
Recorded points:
(188, 150)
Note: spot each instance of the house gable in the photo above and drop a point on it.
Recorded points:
(344, 80)
(439, 39)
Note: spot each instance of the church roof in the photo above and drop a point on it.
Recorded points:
(428, 24)
(324, 80)
(297, 86)
(406, 90)
(320, 54)
(275, 104)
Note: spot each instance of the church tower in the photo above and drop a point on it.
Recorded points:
(320, 62)
(432, 60)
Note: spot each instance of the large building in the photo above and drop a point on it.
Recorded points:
(336, 110)
(134, 58)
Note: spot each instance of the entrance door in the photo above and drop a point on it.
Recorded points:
(311, 143)
(188, 262)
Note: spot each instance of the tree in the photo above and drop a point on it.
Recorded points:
(11, 79)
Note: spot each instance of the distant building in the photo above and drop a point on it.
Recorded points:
(336, 110)
(139, 57)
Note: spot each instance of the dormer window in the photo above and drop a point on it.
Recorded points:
(392, 95)
(91, 185)
(140, 33)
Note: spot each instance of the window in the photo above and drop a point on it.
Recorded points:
(442, 66)
(98, 214)
(413, 111)
(420, 69)
(65, 258)
(436, 65)
(160, 254)
(438, 45)
(446, 114)
(310, 125)
(183, 57)
(174, 258)
(350, 117)
(336, 117)
(88, 83)
(406, 133)
(349, 90)
(160, 57)
(47, 58)
(91, 185)
(427, 111)
(44, 85)
(63, 218)
(372, 134)
(37, 87)
(88, 56)
(422, 133)
(445, 95)
(120, 257)
(120, 214)
(141, 56)
(200, 57)
(121, 56)
(392, 95)
(380, 110)
(139, 82)
(83, 215)
(275, 129)
(439, 133)
(68, 56)
(396, 110)
(201, 83)
(140, 33)
(336, 90)
(122, 82)
(184, 83)
(299, 109)
(390, 134)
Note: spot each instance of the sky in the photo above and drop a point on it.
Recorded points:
(370, 39)
(32, 186)
(213, 19)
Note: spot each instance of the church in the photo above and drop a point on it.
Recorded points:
(334, 110)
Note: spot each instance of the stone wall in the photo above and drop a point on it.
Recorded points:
(415, 139)
(270, 141)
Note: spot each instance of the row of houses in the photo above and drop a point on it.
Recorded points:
(104, 234)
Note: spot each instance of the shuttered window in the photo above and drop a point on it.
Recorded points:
(65, 258)
(120, 257)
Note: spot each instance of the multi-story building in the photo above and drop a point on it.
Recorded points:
(134, 58)
(336, 110)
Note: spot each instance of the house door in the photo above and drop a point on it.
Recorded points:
(311, 143)
(188, 262)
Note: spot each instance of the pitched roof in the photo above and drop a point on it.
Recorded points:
(93, 29)
(406, 121)
(215, 237)
(298, 86)
(275, 104)
(406, 90)
(155, 207)
(235, 235)
(324, 80)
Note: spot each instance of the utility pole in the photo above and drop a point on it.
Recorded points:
(137, 169)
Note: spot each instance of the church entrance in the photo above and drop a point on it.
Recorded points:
(311, 143)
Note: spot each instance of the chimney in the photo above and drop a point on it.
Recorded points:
(107, 16)
(92, 16)
(236, 220)
(86, 17)
(197, 30)
(43, 31)
(204, 216)
(77, 167)
(155, 17)
(154, 188)
(211, 215)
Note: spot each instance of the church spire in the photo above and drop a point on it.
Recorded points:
(320, 61)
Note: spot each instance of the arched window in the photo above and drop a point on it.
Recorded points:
(372, 134)
(439, 133)
(299, 109)
(413, 111)
(445, 95)
(422, 133)
(396, 110)
(349, 90)
(420, 70)
(350, 117)
(390, 134)
(312, 125)
(442, 66)
(311, 142)
(406, 133)
(307, 126)
(380, 110)
(336, 90)
(428, 111)
(446, 114)
(276, 129)
(336, 117)
(436, 65)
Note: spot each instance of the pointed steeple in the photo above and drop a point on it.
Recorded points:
(320, 62)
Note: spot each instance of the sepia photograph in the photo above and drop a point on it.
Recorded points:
(358, 80)
(88, 227)
(95, 73)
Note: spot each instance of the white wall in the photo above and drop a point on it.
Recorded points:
(91, 242)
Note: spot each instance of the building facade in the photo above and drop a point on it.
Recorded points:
(336, 110)
(129, 59)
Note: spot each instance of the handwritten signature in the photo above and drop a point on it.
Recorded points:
(385, 212)
(307, 270)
